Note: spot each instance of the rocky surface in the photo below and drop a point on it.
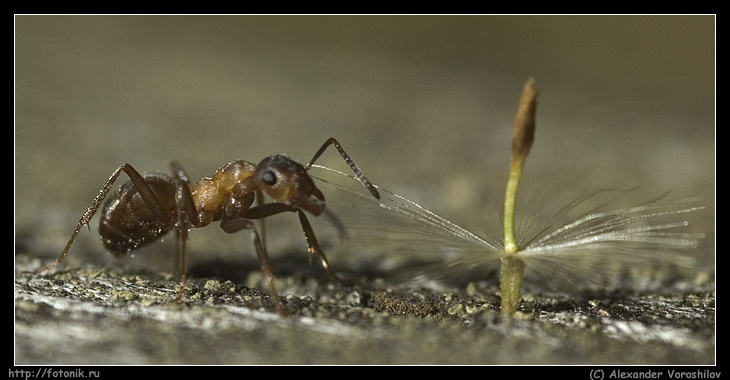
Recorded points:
(92, 315)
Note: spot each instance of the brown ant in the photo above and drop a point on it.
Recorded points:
(150, 205)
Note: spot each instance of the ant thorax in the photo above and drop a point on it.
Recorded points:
(231, 183)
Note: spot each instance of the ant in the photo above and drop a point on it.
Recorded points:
(148, 206)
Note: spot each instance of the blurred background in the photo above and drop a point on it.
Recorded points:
(423, 104)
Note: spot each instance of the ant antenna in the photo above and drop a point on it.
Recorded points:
(358, 173)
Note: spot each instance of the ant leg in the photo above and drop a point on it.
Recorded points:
(335, 220)
(182, 236)
(267, 209)
(144, 191)
(262, 221)
(358, 173)
(313, 245)
(235, 225)
(187, 217)
(178, 171)
(270, 209)
(178, 258)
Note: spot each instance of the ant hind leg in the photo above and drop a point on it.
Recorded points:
(143, 189)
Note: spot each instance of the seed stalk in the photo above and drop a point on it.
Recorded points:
(523, 135)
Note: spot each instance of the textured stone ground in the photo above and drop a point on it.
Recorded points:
(98, 316)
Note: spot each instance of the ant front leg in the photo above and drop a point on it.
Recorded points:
(313, 245)
(235, 225)
(270, 209)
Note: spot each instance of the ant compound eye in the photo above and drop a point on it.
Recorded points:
(269, 177)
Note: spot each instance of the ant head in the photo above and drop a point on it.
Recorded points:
(287, 181)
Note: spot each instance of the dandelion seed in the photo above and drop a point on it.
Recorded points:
(588, 245)
(402, 235)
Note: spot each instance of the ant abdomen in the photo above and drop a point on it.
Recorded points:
(127, 222)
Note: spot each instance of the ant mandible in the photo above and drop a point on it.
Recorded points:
(150, 205)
